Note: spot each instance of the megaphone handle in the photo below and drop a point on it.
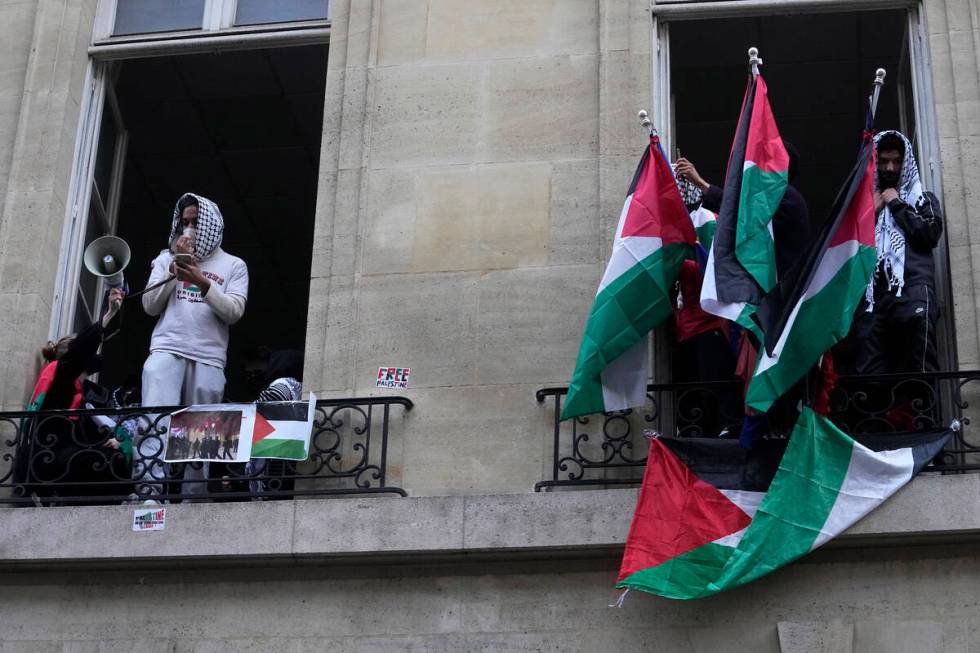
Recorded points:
(149, 288)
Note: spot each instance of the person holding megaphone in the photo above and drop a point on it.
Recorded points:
(202, 290)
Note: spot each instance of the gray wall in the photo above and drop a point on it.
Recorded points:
(475, 157)
(43, 62)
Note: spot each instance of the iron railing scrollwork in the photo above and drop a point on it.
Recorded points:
(610, 449)
(66, 457)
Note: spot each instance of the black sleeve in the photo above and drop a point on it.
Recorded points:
(80, 352)
(712, 198)
(922, 224)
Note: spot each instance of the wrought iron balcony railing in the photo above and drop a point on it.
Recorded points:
(64, 457)
(610, 449)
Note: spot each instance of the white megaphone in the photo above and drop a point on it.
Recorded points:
(107, 257)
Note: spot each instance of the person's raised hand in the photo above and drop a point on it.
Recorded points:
(184, 245)
(116, 296)
(191, 273)
(686, 170)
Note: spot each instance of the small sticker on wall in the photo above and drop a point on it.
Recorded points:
(393, 377)
(149, 519)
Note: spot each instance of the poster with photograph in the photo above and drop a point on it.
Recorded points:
(217, 432)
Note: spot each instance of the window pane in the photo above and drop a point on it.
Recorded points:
(255, 12)
(143, 16)
(88, 283)
(106, 154)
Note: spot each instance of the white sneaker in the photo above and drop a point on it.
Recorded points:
(151, 502)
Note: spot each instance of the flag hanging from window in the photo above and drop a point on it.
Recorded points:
(811, 311)
(712, 516)
(741, 266)
(654, 236)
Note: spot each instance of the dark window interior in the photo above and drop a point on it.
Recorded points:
(819, 69)
(242, 128)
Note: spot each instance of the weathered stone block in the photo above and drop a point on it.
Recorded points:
(532, 335)
(482, 218)
(466, 440)
(425, 322)
(510, 28)
(541, 109)
(402, 31)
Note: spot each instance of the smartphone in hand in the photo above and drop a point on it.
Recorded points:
(184, 259)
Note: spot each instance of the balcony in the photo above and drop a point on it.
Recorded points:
(60, 458)
(610, 449)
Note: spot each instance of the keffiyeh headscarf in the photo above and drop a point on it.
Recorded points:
(210, 226)
(889, 239)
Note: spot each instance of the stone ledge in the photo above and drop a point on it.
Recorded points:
(587, 523)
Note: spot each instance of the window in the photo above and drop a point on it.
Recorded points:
(255, 12)
(819, 68)
(100, 196)
(144, 16)
(177, 111)
(161, 18)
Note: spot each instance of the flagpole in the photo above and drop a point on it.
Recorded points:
(646, 122)
(754, 61)
(878, 83)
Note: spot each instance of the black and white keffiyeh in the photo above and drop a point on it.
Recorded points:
(210, 226)
(690, 193)
(283, 389)
(889, 239)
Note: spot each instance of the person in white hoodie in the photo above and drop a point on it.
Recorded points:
(189, 346)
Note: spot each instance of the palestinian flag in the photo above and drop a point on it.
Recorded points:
(283, 428)
(807, 314)
(705, 223)
(712, 516)
(654, 236)
(742, 262)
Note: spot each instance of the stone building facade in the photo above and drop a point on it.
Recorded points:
(472, 163)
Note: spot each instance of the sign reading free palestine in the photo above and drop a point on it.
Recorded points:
(393, 377)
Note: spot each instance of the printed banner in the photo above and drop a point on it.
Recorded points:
(393, 377)
(218, 432)
(149, 519)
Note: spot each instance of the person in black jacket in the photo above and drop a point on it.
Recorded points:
(896, 324)
(790, 222)
(54, 453)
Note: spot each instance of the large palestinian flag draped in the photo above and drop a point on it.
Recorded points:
(807, 314)
(654, 236)
(283, 428)
(712, 516)
(742, 262)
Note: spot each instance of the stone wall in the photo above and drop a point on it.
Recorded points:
(531, 572)
(469, 149)
(44, 60)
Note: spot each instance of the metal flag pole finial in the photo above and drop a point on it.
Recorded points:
(754, 60)
(878, 83)
(646, 122)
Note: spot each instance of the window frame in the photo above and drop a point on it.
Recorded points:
(104, 49)
(218, 20)
(665, 12)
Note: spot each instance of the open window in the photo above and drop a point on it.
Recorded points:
(819, 69)
(242, 128)
(228, 104)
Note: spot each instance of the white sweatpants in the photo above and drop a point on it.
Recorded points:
(171, 380)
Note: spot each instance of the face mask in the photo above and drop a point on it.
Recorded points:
(887, 179)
